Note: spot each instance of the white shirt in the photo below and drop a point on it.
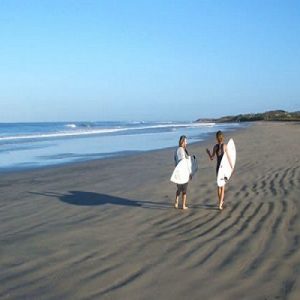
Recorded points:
(179, 155)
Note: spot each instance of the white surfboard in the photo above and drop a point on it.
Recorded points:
(185, 168)
(225, 169)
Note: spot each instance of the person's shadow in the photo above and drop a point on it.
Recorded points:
(92, 199)
(81, 198)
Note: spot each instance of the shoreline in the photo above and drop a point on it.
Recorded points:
(107, 228)
(112, 156)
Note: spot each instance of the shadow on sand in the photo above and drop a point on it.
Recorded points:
(207, 206)
(81, 198)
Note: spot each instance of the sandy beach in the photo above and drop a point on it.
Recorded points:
(107, 229)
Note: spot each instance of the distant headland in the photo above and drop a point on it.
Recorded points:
(275, 115)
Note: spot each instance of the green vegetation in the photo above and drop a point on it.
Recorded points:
(276, 115)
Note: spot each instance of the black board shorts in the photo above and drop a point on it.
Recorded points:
(182, 188)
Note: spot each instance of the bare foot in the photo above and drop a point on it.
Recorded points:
(221, 205)
(184, 207)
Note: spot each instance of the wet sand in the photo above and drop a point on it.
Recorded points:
(107, 229)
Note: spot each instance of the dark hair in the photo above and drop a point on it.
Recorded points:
(181, 140)
(219, 136)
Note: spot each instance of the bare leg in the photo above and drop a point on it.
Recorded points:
(221, 193)
(184, 201)
(176, 200)
(219, 196)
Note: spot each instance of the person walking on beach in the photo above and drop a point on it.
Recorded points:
(181, 153)
(219, 150)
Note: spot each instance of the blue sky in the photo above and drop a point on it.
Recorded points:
(64, 60)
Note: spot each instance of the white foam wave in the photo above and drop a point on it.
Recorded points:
(60, 134)
(71, 125)
(85, 132)
(176, 125)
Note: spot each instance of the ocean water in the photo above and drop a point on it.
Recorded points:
(33, 145)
